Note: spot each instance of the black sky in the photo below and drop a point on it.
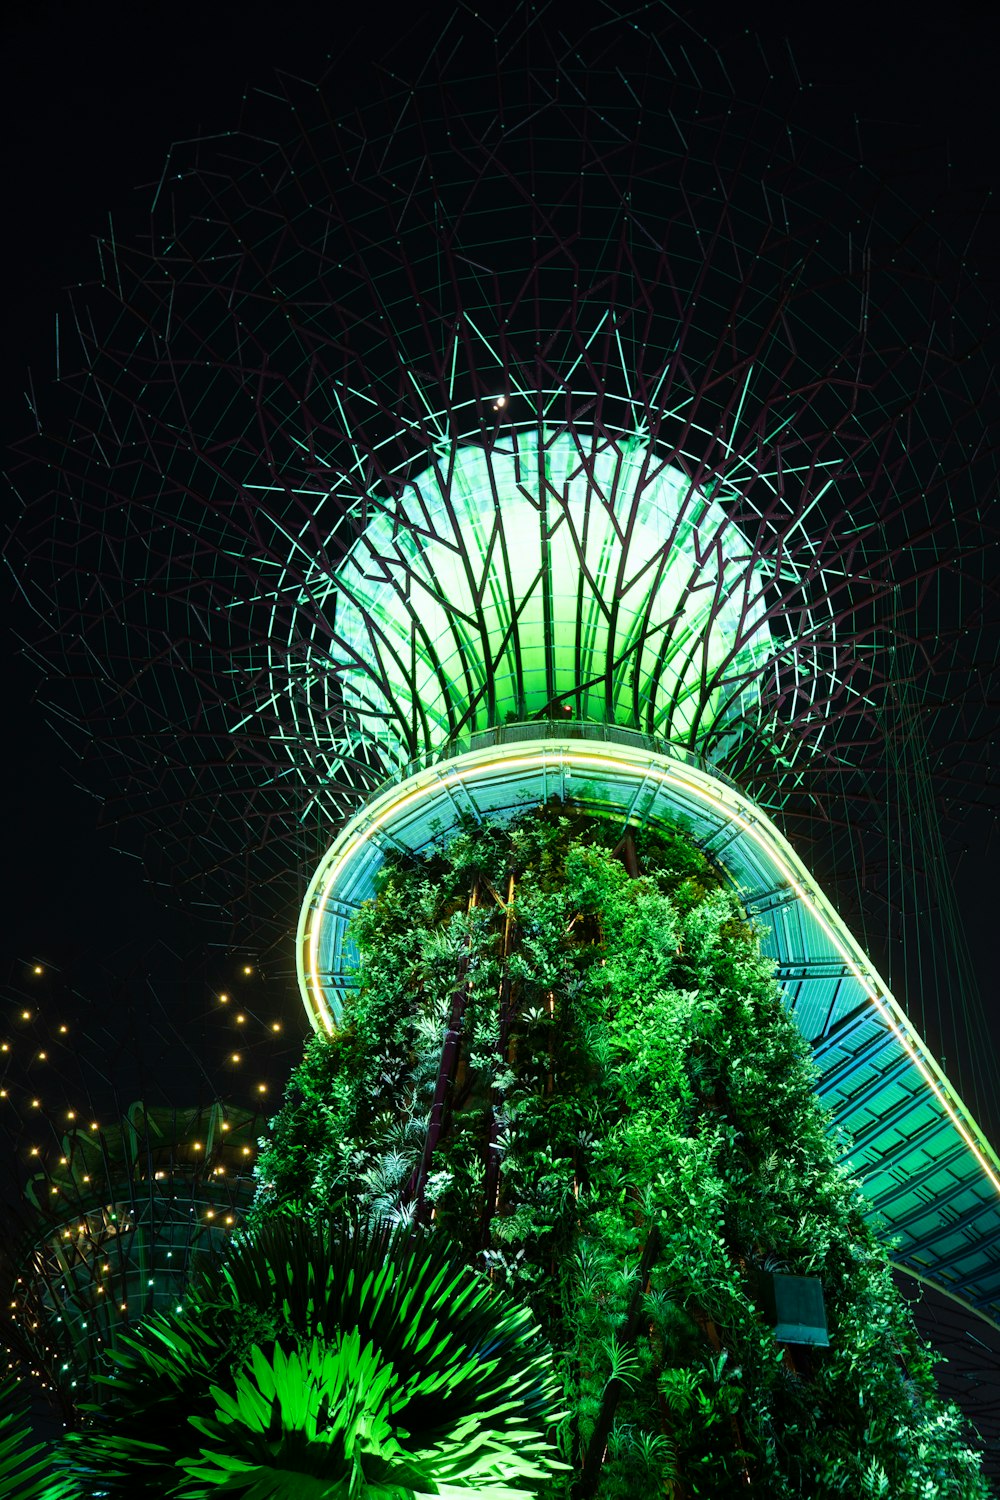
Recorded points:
(92, 97)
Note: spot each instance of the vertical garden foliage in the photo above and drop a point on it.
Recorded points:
(587, 1081)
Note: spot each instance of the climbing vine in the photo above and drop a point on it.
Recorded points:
(567, 1053)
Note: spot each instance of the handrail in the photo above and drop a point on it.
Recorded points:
(550, 728)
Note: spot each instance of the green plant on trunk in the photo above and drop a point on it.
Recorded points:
(320, 1363)
(584, 1079)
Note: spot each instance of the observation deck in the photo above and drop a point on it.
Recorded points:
(930, 1174)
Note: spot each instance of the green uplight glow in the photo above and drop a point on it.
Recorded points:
(537, 577)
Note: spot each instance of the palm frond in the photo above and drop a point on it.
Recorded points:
(359, 1363)
(26, 1470)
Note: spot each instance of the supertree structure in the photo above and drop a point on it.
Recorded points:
(109, 1231)
(277, 361)
(523, 442)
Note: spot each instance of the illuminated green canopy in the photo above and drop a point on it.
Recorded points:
(538, 577)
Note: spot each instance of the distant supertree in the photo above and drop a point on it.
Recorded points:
(110, 1230)
(89, 1183)
(557, 434)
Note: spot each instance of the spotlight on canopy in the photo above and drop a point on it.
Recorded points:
(549, 574)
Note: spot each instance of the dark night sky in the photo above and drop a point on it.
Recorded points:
(92, 96)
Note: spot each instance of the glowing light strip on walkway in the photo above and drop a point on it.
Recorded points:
(551, 753)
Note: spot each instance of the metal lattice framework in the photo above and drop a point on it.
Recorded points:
(573, 391)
